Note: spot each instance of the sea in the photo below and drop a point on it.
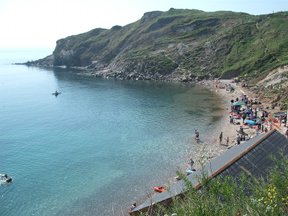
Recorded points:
(100, 145)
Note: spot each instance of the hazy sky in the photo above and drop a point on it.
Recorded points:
(39, 23)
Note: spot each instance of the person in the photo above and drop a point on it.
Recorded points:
(197, 136)
(286, 134)
(238, 139)
(6, 178)
(133, 206)
(221, 137)
(191, 163)
(241, 129)
(243, 117)
(257, 131)
(56, 93)
(227, 141)
(231, 119)
(270, 126)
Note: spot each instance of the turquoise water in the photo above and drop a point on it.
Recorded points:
(98, 146)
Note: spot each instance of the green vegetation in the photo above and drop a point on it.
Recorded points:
(219, 44)
(156, 63)
(183, 45)
(244, 196)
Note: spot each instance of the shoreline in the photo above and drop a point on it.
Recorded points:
(229, 122)
(208, 148)
(213, 148)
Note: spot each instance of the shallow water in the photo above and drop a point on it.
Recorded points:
(98, 146)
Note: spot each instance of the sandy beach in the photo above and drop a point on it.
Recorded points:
(212, 148)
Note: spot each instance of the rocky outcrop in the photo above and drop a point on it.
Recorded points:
(45, 62)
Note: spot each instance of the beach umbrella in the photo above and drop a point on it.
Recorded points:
(250, 122)
(238, 103)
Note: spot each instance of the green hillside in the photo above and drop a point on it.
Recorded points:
(179, 45)
(187, 42)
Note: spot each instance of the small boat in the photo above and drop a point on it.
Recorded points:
(159, 189)
(56, 93)
(4, 178)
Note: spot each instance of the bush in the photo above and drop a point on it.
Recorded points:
(243, 196)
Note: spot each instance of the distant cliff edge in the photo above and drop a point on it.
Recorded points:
(180, 45)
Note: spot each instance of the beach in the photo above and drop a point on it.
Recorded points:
(244, 117)
(211, 147)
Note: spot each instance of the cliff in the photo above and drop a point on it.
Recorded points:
(181, 45)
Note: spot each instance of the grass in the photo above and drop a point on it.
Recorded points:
(242, 196)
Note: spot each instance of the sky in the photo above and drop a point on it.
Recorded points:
(40, 23)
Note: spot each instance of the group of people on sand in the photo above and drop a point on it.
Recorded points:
(254, 115)
(221, 139)
(197, 138)
(250, 113)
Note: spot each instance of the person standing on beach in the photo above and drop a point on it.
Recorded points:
(191, 163)
(238, 139)
(133, 206)
(197, 136)
(243, 117)
(227, 141)
(221, 137)
(231, 119)
(241, 129)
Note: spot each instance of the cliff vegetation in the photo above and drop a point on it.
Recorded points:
(181, 45)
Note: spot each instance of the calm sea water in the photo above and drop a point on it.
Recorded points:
(97, 147)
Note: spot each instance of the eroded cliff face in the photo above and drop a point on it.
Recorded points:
(181, 45)
(273, 88)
